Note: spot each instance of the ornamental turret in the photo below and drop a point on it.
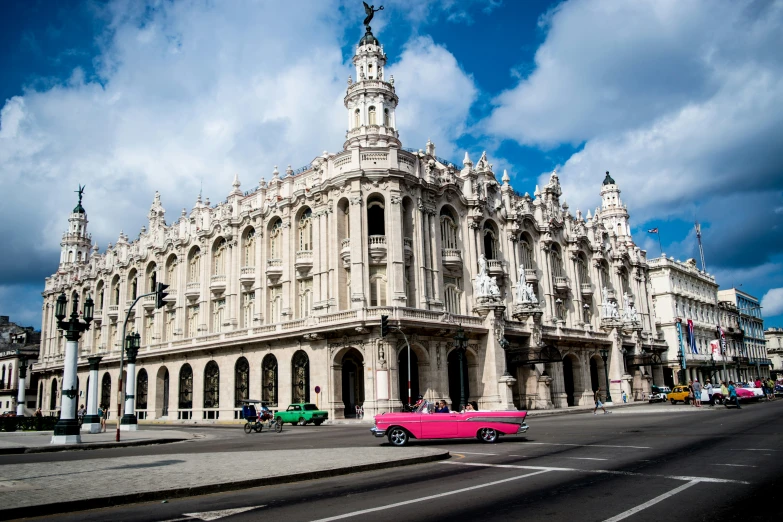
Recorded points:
(76, 242)
(370, 100)
(613, 213)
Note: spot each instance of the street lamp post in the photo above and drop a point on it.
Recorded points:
(129, 421)
(504, 344)
(681, 372)
(605, 355)
(66, 431)
(460, 345)
(20, 396)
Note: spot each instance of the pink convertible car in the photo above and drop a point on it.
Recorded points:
(487, 426)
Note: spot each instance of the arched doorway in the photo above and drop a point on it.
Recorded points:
(459, 383)
(352, 381)
(142, 384)
(402, 365)
(53, 396)
(300, 377)
(594, 382)
(105, 390)
(269, 381)
(211, 390)
(568, 380)
(162, 392)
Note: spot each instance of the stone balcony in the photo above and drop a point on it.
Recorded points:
(561, 284)
(217, 283)
(530, 275)
(377, 248)
(304, 261)
(114, 311)
(171, 297)
(586, 288)
(345, 252)
(149, 302)
(407, 244)
(247, 275)
(451, 258)
(193, 290)
(495, 268)
(274, 269)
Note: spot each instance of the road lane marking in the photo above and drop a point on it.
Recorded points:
(754, 449)
(587, 445)
(659, 498)
(215, 515)
(430, 497)
(604, 471)
(737, 465)
(474, 453)
(584, 458)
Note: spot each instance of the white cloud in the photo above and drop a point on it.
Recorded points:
(772, 302)
(192, 93)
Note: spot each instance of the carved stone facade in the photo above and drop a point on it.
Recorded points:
(290, 280)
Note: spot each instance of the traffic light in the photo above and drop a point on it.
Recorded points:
(384, 325)
(160, 295)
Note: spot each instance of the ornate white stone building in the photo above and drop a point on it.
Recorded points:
(278, 290)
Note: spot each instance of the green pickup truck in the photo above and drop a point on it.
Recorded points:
(302, 413)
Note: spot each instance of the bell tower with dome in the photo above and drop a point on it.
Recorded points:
(76, 242)
(370, 100)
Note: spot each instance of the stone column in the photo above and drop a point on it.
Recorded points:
(20, 396)
(129, 421)
(66, 431)
(92, 423)
(616, 367)
(358, 241)
(394, 251)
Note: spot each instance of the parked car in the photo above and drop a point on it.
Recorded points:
(487, 426)
(659, 393)
(679, 394)
(8, 414)
(302, 413)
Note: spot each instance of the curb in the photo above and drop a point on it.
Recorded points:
(567, 411)
(93, 446)
(147, 496)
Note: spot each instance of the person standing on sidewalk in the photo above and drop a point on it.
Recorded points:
(102, 417)
(708, 387)
(598, 403)
(733, 395)
(697, 393)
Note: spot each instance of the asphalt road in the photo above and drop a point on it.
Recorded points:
(677, 464)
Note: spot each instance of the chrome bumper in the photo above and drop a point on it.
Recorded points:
(522, 428)
(377, 432)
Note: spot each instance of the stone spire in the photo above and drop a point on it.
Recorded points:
(370, 100)
(76, 242)
(613, 213)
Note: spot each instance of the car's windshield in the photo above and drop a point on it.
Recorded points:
(293, 407)
(310, 407)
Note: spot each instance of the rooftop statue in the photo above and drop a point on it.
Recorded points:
(370, 10)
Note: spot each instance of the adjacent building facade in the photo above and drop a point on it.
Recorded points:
(774, 338)
(754, 355)
(277, 292)
(19, 347)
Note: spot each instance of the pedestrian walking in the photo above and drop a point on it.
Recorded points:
(733, 395)
(710, 392)
(771, 389)
(102, 417)
(697, 393)
(625, 397)
(724, 390)
(598, 403)
(38, 419)
(690, 393)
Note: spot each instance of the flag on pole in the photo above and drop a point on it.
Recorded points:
(692, 337)
(653, 231)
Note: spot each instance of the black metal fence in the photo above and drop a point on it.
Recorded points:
(27, 423)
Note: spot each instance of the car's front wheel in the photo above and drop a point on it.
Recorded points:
(398, 437)
(302, 421)
(487, 435)
(673, 401)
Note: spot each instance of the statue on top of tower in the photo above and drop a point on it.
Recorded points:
(370, 10)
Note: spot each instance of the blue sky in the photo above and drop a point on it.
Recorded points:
(680, 101)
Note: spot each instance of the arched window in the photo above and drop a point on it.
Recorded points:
(490, 241)
(371, 115)
(582, 269)
(192, 316)
(78, 257)
(300, 377)
(276, 240)
(378, 285)
(194, 266)
(241, 382)
(132, 285)
(275, 303)
(171, 272)
(212, 385)
(269, 380)
(386, 118)
(557, 261)
(219, 260)
(452, 294)
(357, 119)
(152, 278)
(185, 387)
(448, 229)
(249, 248)
(306, 231)
(248, 308)
(218, 314)
(2, 378)
(526, 256)
(115, 291)
(99, 296)
(106, 390)
(141, 390)
(376, 223)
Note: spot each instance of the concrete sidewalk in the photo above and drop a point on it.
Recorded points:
(40, 441)
(40, 489)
